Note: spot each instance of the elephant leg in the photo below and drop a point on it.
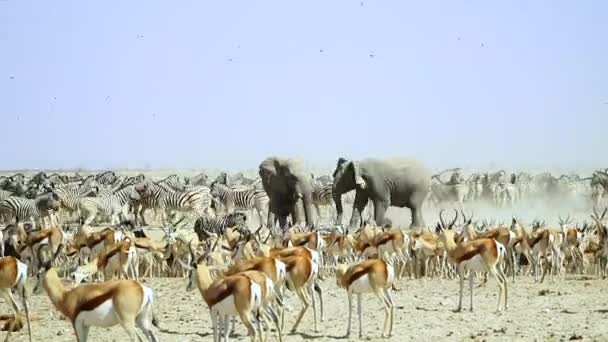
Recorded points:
(296, 215)
(282, 221)
(415, 205)
(361, 200)
(270, 219)
(380, 208)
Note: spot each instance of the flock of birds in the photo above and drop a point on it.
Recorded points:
(245, 273)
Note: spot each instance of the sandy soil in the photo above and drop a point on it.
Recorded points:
(565, 309)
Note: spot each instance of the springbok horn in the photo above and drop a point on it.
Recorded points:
(443, 226)
(455, 218)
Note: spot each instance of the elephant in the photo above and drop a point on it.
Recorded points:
(397, 182)
(287, 184)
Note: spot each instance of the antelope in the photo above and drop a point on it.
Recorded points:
(602, 232)
(150, 248)
(268, 294)
(339, 246)
(53, 237)
(228, 296)
(313, 256)
(272, 267)
(570, 245)
(121, 256)
(480, 255)
(95, 242)
(425, 248)
(540, 243)
(501, 234)
(13, 275)
(373, 275)
(393, 241)
(301, 279)
(124, 302)
(311, 240)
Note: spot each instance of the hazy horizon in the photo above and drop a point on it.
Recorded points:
(157, 85)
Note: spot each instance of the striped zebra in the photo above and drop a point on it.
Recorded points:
(70, 197)
(22, 209)
(200, 179)
(106, 177)
(322, 197)
(113, 206)
(173, 182)
(4, 194)
(241, 200)
(206, 226)
(152, 195)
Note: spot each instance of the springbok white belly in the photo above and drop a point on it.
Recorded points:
(475, 264)
(102, 316)
(361, 285)
(227, 307)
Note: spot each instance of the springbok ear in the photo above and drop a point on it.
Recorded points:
(359, 181)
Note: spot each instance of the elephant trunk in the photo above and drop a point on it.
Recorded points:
(307, 203)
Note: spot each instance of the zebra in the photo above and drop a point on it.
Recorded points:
(70, 197)
(106, 178)
(206, 226)
(24, 209)
(173, 182)
(241, 199)
(154, 195)
(322, 196)
(200, 179)
(4, 194)
(113, 206)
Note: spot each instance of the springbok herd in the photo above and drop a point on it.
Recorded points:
(271, 280)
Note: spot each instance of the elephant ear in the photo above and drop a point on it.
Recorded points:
(359, 181)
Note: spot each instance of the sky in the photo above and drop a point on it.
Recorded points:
(194, 84)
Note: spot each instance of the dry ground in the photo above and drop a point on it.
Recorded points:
(565, 309)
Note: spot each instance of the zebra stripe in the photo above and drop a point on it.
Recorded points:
(24, 209)
(111, 206)
(241, 199)
(205, 225)
(322, 195)
(70, 197)
(155, 196)
(106, 178)
(4, 194)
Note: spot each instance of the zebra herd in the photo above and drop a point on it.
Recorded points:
(107, 197)
(502, 190)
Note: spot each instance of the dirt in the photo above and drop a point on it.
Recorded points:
(568, 309)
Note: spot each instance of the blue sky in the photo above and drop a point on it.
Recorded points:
(176, 84)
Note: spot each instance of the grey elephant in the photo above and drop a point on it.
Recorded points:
(286, 184)
(389, 182)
